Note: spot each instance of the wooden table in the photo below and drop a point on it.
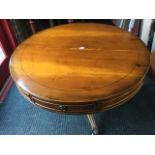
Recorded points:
(80, 68)
(152, 63)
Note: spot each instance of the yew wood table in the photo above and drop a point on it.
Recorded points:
(152, 63)
(80, 68)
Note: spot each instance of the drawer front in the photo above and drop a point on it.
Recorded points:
(62, 108)
(89, 108)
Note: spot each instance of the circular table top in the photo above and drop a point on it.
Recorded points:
(152, 62)
(79, 62)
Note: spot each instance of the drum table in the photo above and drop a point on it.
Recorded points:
(80, 68)
(152, 63)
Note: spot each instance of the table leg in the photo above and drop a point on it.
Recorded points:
(93, 125)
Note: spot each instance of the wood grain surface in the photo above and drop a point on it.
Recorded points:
(152, 63)
(79, 63)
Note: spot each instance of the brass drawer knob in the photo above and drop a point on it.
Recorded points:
(62, 107)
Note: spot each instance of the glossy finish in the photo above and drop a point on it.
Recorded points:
(80, 64)
(152, 62)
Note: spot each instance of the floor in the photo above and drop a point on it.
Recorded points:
(19, 117)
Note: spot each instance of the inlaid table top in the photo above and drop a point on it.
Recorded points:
(80, 63)
(152, 62)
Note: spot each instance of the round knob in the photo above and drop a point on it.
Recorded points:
(62, 108)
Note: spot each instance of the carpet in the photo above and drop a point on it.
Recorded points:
(137, 117)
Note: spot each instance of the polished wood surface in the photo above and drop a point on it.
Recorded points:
(77, 64)
(152, 63)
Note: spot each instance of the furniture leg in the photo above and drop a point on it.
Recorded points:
(93, 125)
